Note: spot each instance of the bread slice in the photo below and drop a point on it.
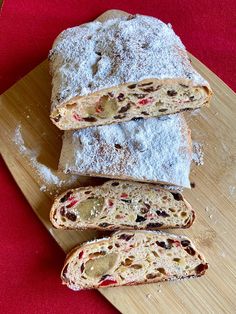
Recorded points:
(113, 71)
(121, 205)
(153, 150)
(130, 258)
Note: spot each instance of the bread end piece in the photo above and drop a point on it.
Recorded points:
(131, 258)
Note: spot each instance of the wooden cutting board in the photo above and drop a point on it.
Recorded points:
(24, 112)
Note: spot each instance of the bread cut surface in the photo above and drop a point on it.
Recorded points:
(113, 71)
(152, 150)
(121, 204)
(132, 257)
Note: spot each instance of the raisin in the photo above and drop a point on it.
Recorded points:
(184, 86)
(57, 118)
(132, 86)
(177, 196)
(147, 205)
(125, 108)
(145, 113)
(137, 266)
(119, 117)
(118, 146)
(87, 192)
(98, 53)
(121, 97)
(71, 216)
(82, 268)
(110, 203)
(164, 245)
(163, 110)
(126, 201)
(126, 237)
(190, 250)
(90, 119)
(145, 84)
(137, 118)
(201, 268)
(193, 185)
(162, 270)
(115, 183)
(127, 262)
(191, 98)
(140, 218)
(185, 242)
(154, 225)
(96, 254)
(104, 224)
(110, 94)
(171, 93)
(65, 197)
(144, 210)
(81, 254)
(162, 213)
(62, 211)
(151, 276)
(148, 89)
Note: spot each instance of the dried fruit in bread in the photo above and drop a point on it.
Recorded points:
(130, 258)
(121, 205)
(113, 71)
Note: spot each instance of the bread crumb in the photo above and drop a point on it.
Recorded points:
(27, 116)
(232, 190)
(210, 216)
(148, 296)
(43, 188)
(206, 209)
(198, 153)
(159, 290)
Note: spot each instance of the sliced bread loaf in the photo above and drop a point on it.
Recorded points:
(152, 150)
(126, 67)
(132, 257)
(121, 205)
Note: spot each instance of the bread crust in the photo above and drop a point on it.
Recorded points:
(126, 151)
(106, 64)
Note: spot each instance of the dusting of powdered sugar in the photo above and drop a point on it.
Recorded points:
(94, 56)
(198, 153)
(47, 175)
(44, 172)
(143, 150)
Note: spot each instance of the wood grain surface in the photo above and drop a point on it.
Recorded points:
(25, 107)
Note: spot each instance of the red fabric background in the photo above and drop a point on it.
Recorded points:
(30, 260)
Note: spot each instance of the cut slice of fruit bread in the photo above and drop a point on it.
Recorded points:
(121, 204)
(132, 257)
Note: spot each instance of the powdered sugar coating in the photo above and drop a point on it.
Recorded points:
(95, 56)
(143, 150)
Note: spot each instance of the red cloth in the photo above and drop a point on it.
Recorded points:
(30, 259)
